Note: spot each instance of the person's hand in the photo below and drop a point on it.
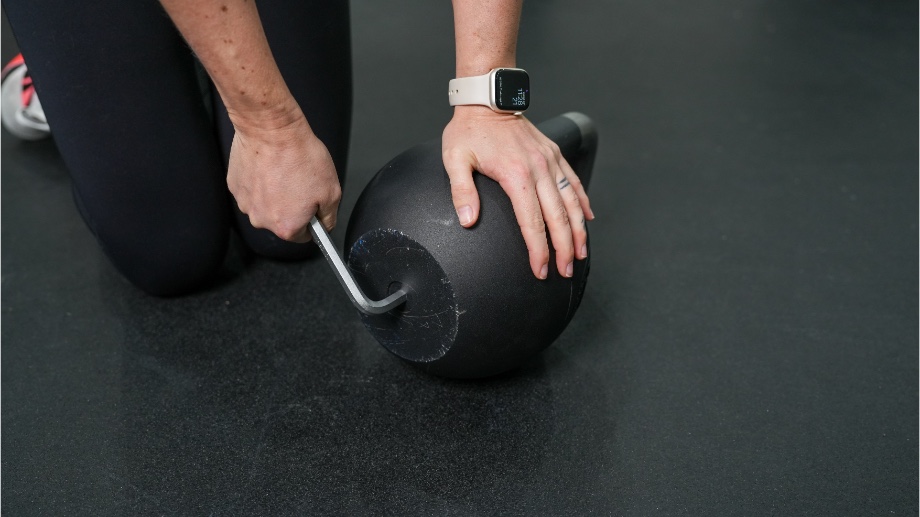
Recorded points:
(543, 188)
(281, 177)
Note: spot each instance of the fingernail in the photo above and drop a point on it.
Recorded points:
(544, 271)
(569, 269)
(584, 251)
(465, 213)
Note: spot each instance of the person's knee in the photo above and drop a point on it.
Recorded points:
(170, 266)
(162, 253)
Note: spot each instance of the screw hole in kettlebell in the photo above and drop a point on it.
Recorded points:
(404, 307)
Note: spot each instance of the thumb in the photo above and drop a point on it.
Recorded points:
(466, 200)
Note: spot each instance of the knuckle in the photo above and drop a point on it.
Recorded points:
(517, 169)
(561, 214)
(577, 224)
(453, 154)
(536, 224)
(538, 248)
(573, 200)
(577, 221)
(565, 252)
(575, 197)
(538, 158)
(285, 232)
(282, 227)
(564, 245)
(531, 223)
(515, 176)
(541, 254)
(450, 152)
(256, 222)
(462, 187)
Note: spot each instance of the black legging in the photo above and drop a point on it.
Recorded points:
(120, 89)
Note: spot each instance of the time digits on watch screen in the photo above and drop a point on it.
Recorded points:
(512, 90)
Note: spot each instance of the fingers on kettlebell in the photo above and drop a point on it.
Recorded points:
(580, 192)
(557, 220)
(462, 189)
(575, 210)
(530, 219)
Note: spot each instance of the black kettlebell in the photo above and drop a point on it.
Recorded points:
(456, 302)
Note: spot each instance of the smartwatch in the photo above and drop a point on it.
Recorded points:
(505, 90)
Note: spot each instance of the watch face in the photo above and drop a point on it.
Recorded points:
(512, 89)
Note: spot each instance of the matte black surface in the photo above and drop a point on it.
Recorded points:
(473, 308)
(747, 344)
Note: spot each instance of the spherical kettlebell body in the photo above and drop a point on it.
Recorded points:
(474, 308)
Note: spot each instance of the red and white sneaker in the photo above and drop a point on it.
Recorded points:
(20, 111)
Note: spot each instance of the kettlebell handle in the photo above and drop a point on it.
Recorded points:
(362, 302)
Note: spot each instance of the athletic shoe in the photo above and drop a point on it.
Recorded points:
(20, 111)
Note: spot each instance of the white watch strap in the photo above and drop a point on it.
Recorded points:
(470, 90)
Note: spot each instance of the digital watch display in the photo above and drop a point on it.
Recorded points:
(506, 90)
(511, 89)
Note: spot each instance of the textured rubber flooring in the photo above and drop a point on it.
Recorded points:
(747, 344)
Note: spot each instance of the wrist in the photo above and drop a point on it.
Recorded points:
(479, 67)
(474, 111)
(270, 117)
(276, 132)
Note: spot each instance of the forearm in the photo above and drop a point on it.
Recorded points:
(228, 39)
(486, 34)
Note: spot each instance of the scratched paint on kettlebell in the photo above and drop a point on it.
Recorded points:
(424, 328)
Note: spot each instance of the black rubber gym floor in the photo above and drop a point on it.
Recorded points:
(747, 344)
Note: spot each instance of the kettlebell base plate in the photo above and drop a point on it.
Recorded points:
(423, 329)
